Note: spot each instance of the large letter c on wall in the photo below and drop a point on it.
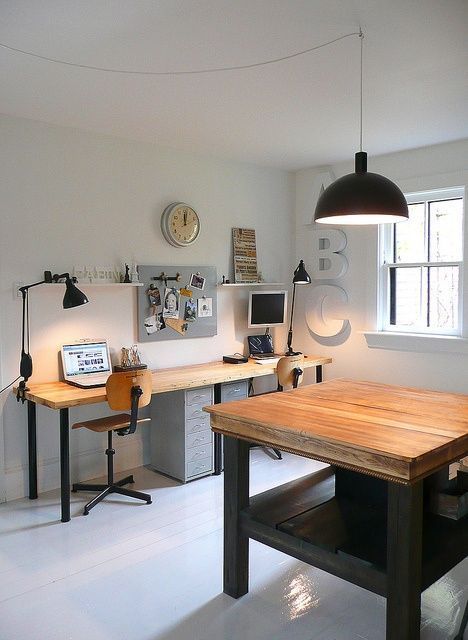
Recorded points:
(326, 310)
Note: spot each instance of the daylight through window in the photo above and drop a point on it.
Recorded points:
(422, 265)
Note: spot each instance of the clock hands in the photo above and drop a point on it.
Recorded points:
(185, 218)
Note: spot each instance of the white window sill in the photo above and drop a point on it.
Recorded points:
(415, 342)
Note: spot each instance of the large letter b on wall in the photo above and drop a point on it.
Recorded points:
(327, 262)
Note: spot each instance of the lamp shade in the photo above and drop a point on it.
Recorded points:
(300, 274)
(73, 296)
(361, 198)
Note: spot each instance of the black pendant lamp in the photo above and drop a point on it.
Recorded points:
(361, 197)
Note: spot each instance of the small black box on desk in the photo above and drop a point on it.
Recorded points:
(235, 359)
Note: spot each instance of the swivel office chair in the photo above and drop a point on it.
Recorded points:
(290, 374)
(289, 371)
(126, 390)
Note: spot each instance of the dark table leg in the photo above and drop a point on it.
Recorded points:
(218, 438)
(32, 450)
(404, 561)
(318, 373)
(65, 464)
(236, 498)
(464, 622)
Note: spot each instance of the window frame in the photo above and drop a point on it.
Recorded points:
(386, 263)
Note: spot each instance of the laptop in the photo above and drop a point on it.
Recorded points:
(86, 364)
(261, 347)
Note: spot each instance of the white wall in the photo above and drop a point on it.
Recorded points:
(68, 198)
(416, 170)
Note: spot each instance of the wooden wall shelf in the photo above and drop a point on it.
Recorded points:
(101, 284)
(251, 284)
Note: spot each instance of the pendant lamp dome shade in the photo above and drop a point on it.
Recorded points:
(361, 198)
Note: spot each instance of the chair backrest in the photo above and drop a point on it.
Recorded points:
(289, 370)
(119, 389)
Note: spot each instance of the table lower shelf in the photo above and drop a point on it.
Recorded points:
(346, 535)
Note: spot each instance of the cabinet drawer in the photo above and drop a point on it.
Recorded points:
(194, 425)
(199, 453)
(195, 412)
(196, 439)
(199, 466)
(234, 391)
(202, 396)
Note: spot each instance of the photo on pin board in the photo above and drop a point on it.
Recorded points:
(171, 303)
(154, 323)
(205, 307)
(190, 312)
(197, 281)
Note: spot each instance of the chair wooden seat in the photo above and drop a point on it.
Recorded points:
(109, 423)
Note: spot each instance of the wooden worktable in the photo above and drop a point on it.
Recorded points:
(395, 433)
(364, 519)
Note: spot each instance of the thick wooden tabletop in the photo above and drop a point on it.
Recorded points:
(395, 433)
(60, 395)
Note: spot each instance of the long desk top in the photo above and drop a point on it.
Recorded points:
(395, 433)
(60, 395)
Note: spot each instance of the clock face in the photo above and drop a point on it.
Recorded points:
(180, 224)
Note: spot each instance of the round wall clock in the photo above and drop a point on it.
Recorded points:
(180, 224)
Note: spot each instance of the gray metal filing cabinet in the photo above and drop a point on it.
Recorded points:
(180, 434)
(181, 438)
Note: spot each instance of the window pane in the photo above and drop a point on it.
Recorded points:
(410, 236)
(408, 297)
(445, 240)
(443, 297)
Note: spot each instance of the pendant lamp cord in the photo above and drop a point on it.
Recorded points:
(181, 72)
(361, 37)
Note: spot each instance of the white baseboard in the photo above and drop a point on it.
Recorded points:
(84, 466)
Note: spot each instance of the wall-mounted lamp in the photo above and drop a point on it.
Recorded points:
(73, 298)
(300, 277)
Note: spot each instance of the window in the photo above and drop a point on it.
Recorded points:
(421, 266)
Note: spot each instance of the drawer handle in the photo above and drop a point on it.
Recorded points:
(234, 391)
(201, 467)
(200, 426)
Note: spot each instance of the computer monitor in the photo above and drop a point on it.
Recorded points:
(267, 308)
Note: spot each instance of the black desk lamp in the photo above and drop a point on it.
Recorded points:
(300, 277)
(73, 298)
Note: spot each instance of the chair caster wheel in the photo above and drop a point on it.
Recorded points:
(85, 513)
(149, 502)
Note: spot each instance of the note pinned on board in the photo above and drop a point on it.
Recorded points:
(178, 325)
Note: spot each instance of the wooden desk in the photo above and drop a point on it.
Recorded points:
(61, 396)
(363, 520)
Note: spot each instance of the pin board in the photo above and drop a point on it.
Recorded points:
(176, 302)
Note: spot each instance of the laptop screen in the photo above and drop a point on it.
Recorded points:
(88, 357)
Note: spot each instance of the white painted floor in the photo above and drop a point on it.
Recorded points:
(132, 571)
